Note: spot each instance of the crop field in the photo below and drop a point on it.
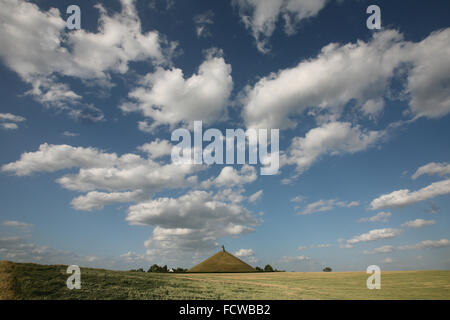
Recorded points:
(33, 281)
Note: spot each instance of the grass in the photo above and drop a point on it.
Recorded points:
(33, 281)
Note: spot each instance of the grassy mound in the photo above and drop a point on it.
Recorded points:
(222, 262)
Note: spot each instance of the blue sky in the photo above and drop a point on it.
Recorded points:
(86, 119)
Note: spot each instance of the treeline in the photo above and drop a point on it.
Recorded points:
(268, 268)
(161, 269)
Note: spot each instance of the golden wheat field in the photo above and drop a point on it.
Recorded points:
(33, 281)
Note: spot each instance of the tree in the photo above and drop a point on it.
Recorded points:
(327, 269)
(258, 269)
(154, 268)
(268, 268)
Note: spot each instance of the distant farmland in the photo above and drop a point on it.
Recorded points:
(33, 281)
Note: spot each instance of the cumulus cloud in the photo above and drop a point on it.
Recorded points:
(383, 249)
(233, 195)
(188, 224)
(405, 197)
(427, 244)
(97, 200)
(135, 258)
(317, 85)
(374, 235)
(418, 223)
(326, 205)
(191, 222)
(241, 253)
(122, 176)
(247, 255)
(202, 21)
(157, 148)
(428, 80)
(50, 158)
(229, 177)
(433, 168)
(79, 54)
(379, 217)
(334, 138)
(261, 16)
(167, 98)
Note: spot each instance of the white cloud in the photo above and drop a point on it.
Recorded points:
(433, 168)
(97, 200)
(381, 216)
(374, 235)
(16, 224)
(189, 223)
(230, 195)
(202, 21)
(405, 197)
(427, 244)
(135, 258)
(122, 175)
(289, 259)
(261, 16)
(388, 260)
(316, 85)
(254, 197)
(383, 249)
(428, 80)
(167, 98)
(157, 148)
(9, 126)
(229, 177)
(10, 121)
(11, 117)
(186, 224)
(194, 210)
(244, 253)
(322, 245)
(52, 158)
(418, 223)
(70, 134)
(79, 54)
(326, 205)
(334, 138)
(298, 199)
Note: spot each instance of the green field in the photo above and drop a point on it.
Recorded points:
(33, 281)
